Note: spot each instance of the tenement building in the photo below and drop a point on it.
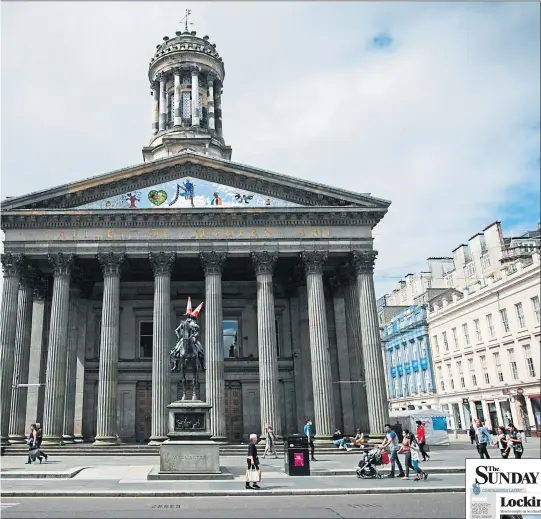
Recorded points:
(97, 274)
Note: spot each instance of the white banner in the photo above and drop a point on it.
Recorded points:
(503, 489)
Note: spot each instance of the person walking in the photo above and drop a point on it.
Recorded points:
(483, 439)
(391, 440)
(514, 440)
(421, 439)
(471, 432)
(406, 450)
(270, 442)
(308, 433)
(501, 441)
(415, 455)
(32, 441)
(39, 434)
(252, 460)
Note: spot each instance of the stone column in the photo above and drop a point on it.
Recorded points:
(162, 266)
(345, 382)
(11, 266)
(213, 263)
(218, 109)
(155, 107)
(177, 115)
(38, 358)
(319, 344)
(378, 410)
(195, 97)
(71, 358)
(210, 102)
(106, 428)
(356, 362)
(163, 105)
(55, 380)
(22, 355)
(266, 336)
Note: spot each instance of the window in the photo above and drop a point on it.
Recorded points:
(406, 353)
(484, 367)
(513, 363)
(498, 364)
(230, 339)
(436, 345)
(414, 352)
(428, 382)
(505, 320)
(466, 333)
(422, 347)
(418, 380)
(469, 270)
(485, 261)
(536, 311)
(396, 388)
(478, 330)
(170, 107)
(529, 360)
(473, 376)
(450, 375)
(445, 341)
(440, 377)
(490, 325)
(146, 329)
(408, 384)
(403, 384)
(455, 338)
(520, 315)
(460, 373)
(399, 356)
(186, 105)
(200, 106)
(277, 330)
(391, 359)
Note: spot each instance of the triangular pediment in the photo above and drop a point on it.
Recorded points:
(192, 180)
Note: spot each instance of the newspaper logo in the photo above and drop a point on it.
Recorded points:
(495, 476)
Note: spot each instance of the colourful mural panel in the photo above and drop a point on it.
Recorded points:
(187, 192)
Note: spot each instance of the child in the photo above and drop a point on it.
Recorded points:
(415, 452)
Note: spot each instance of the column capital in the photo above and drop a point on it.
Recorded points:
(162, 262)
(62, 262)
(12, 264)
(40, 287)
(160, 77)
(314, 260)
(177, 71)
(111, 262)
(194, 70)
(264, 262)
(27, 275)
(211, 78)
(213, 261)
(155, 86)
(363, 261)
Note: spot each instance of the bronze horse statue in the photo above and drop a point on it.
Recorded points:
(188, 352)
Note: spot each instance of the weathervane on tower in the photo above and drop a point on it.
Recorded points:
(186, 18)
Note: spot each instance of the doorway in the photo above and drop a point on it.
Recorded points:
(143, 411)
(493, 416)
(233, 411)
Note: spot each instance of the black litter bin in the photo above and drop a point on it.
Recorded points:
(297, 456)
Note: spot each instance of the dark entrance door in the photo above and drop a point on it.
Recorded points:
(143, 411)
(233, 411)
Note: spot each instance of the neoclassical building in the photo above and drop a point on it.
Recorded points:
(97, 274)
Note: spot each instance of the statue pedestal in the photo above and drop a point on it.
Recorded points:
(189, 452)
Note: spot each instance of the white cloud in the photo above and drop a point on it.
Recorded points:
(442, 124)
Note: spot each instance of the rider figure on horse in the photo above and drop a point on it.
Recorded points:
(188, 330)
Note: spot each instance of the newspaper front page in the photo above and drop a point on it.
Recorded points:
(503, 489)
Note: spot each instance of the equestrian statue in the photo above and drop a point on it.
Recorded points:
(188, 351)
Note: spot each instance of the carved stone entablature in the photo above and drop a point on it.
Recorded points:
(363, 261)
(162, 262)
(314, 261)
(12, 264)
(62, 263)
(111, 262)
(213, 261)
(264, 262)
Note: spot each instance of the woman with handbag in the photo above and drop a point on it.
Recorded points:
(252, 473)
(32, 441)
(270, 442)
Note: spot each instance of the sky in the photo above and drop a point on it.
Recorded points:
(433, 106)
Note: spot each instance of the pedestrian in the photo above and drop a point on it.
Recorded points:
(514, 439)
(483, 439)
(406, 450)
(472, 433)
(252, 461)
(391, 440)
(33, 451)
(39, 434)
(270, 442)
(340, 440)
(421, 439)
(308, 433)
(501, 442)
(415, 454)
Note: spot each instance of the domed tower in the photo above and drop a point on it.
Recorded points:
(186, 76)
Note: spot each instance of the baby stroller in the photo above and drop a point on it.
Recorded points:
(367, 465)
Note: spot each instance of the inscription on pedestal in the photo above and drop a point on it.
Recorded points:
(189, 422)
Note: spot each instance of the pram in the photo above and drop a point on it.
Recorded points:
(371, 459)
